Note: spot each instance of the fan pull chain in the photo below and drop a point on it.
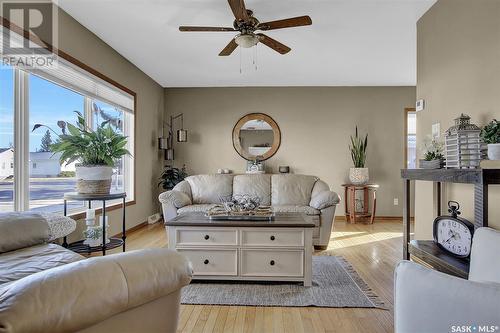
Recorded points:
(241, 71)
(255, 59)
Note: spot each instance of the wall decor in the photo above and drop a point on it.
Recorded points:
(167, 143)
(256, 137)
(464, 148)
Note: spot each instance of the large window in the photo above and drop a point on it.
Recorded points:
(40, 181)
(49, 180)
(6, 139)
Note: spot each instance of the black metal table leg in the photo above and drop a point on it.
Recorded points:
(65, 212)
(124, 236)
(406, 218)
(104, 227)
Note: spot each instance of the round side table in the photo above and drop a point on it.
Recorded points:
(351, 214)
(78, 246)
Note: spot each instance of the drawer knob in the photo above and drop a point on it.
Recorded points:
(272, 263)
(273, 238)
(207, 237)
(206, 262)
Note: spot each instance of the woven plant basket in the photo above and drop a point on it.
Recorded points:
(93, 179)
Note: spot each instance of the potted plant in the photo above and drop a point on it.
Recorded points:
(491, 135)
(359, 174)
(433, 155)
(95, 151)
(172, 176)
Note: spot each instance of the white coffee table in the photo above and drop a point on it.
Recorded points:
(278, 250)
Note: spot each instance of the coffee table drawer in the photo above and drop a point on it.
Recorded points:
(272, 263)
(212, 262)
(272, 237)
(206, 237)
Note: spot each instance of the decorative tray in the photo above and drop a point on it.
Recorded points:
(220, 213)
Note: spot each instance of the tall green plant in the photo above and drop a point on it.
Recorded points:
(102, 146)
(358, 149)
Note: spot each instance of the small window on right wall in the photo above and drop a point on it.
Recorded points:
(411, 139)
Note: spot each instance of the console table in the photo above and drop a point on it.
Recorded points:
(278, 250)
(426, 250)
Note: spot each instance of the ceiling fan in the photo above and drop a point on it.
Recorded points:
(247, 24)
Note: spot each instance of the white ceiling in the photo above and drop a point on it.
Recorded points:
(350, 43)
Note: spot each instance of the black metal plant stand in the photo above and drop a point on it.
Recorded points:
(78, 246)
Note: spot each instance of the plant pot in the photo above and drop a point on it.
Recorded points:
(433, 164)
(494, 151)
(93, 179)
(358, 176)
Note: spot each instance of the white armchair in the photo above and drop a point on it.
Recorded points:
(429, 301)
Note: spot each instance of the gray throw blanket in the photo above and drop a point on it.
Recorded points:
(23, 229)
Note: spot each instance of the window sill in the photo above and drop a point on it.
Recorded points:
(81, 215)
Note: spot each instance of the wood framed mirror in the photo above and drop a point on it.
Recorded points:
(256, 136)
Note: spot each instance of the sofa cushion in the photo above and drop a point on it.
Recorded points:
(254, 185)
(308, 210)
(200, 208)
(15, 265)
(291, 189)
(209, 189)
(18, 230)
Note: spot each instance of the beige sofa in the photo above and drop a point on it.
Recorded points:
(47, 288)
(285, 193)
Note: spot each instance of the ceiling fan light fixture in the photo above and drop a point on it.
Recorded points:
(246, 40)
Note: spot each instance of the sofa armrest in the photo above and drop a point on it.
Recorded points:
(75, 296)
(429, 301)
(324, 199)
(177, 198)
(171, 201)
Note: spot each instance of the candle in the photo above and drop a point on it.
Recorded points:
(90, 213)
(100, 221)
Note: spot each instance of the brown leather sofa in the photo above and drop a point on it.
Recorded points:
(47, 288)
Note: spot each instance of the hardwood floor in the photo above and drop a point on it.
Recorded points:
(373, 250)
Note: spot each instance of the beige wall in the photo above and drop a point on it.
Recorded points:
(315, 124)
(458, 64)
(88, 48)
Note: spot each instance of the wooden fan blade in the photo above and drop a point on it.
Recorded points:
(286, 23)
(239, 10)
(274, 44)
(229, 48)
(194, 29)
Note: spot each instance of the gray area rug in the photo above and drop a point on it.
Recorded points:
(335, 284)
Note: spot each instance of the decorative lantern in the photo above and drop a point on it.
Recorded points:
(463, 146)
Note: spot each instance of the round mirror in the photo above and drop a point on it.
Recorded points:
(256, 136)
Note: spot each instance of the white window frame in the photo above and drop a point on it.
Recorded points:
(21, 142)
